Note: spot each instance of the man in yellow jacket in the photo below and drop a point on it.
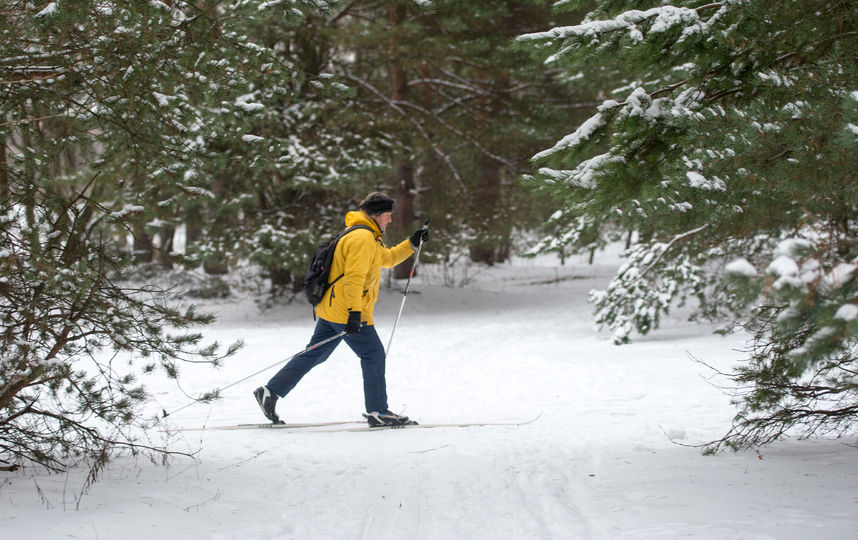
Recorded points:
(347, 306)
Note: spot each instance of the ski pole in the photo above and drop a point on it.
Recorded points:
(219, 390)
(407, 284)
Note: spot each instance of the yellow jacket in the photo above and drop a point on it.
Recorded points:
(358, 258)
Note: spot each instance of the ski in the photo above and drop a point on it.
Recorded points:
(270, 425)
(424, 426)
(344, 426)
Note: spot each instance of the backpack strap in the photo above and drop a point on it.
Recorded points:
(339, 236)
(356, 227)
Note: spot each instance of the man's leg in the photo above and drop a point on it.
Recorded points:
(367, 345)
(285, 380)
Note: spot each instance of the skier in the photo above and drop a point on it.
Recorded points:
(348, 305)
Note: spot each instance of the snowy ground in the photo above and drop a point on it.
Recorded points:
(516, 343)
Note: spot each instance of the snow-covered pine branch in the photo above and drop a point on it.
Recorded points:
(736, 133)
(662, 18)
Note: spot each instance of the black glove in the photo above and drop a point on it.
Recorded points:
(419, 236)
(353, 325)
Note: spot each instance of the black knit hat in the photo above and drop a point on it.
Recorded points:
(377, 203)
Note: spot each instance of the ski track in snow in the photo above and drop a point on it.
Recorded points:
(597, 464)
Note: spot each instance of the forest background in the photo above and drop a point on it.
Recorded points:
(716, 139)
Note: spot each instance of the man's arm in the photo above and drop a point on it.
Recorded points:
(395, 255)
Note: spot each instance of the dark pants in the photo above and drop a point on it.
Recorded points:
(365, 344)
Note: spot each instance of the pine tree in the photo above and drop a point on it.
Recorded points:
(291, 187)
(441, 110)
(458, 108)
(113, 117)
(728, 143)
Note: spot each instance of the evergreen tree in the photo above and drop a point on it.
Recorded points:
(728, 143)
(279, 197)
(458, 108)
(113, 117)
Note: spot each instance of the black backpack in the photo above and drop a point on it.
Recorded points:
(315, 282)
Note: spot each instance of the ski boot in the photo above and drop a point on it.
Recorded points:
(267, 400)
(386, 418)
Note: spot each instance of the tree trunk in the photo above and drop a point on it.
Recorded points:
(492, 246)
(403, 168)
(165, 249)
(193, 231)
(28, 181)
(143, 245)
(403, 217)
(4, 175)
(216, 265)
(491, 219)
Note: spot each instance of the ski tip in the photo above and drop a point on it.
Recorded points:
(532, 420)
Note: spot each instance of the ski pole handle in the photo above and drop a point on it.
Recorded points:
(416, 257)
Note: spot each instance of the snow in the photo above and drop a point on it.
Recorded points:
(741, 267)
(847, 312)
(664, 18)
(611, 455)
(127, 210)
(163, 100)
(783, 266)
(639, 103)
(50, 10)
(697, 180)
(585, 174)
(840, 275)
(584, 132)
(793, 247)
(244, 103)
(270, 3)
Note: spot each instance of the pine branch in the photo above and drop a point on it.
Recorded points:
(670, 244)
(622, 21)
(442, 82)
(34, 119)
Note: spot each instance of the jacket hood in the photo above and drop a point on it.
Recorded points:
(359, 218)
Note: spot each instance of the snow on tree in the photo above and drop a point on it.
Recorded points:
(113, 117)
(728, 143)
